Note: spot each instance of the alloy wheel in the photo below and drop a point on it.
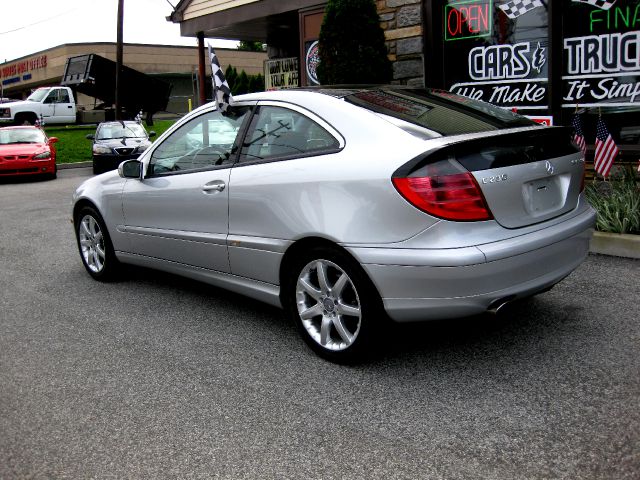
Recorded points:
(328, 305)
(92, 243)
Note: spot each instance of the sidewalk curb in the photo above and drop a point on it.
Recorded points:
(615, 244)
(62, 166)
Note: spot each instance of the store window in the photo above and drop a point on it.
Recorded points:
(497, 51)
(601, 66)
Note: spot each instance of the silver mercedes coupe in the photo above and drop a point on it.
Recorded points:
(348, 207)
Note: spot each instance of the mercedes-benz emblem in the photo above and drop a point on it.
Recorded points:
(548, 167)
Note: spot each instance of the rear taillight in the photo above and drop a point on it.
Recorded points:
(455, 196)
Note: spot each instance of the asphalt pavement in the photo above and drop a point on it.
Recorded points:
(155, 376)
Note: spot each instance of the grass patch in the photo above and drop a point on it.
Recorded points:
(74, 147)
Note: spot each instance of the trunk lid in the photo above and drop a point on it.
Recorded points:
(526, 177)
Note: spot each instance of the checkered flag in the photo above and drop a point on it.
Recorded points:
(515, 8)
(221, 91)
(602, 4)
(138, 118)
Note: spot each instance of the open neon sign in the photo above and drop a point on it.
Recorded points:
(467, 20)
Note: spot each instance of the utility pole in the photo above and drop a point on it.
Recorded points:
(202, 97)
(119, 59)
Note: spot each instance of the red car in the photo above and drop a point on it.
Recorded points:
(26, 150)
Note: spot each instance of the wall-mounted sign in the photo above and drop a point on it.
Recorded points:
(311, 61)
(602, 69)
(468, 19)
(19, 68)
(507, 75)
(542, 119)
(281, 73)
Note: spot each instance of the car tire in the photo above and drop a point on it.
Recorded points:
(335, 306)
(53, 175)
(94, 245)
(96, 169)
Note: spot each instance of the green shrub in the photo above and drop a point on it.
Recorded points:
(240, 83)
(617, 203)
(352, 46)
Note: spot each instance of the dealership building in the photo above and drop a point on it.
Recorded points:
(174, 64)
(549, 60)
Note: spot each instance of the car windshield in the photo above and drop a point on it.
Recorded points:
(121, 130)
(438, 111)
(21, 135)
(38, 95)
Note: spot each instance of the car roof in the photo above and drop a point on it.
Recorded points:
(338, 91)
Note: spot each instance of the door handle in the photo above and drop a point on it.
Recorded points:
(215, 186)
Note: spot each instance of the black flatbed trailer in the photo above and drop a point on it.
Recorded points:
(95, 76)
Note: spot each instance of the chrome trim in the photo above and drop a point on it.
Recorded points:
(202, 237)
(275, 245)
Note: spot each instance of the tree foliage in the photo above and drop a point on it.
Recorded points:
(351, 45)
(251, 46)
(240, 83)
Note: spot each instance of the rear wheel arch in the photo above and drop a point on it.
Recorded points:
(303, 245)
(347, 327)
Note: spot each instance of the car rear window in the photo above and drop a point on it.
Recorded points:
(438, 110)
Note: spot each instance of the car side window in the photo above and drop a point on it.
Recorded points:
(279, 132)
(203, 142)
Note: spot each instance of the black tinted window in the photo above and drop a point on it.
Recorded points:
(439, 111)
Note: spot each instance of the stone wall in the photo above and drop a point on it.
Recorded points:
(401, 21)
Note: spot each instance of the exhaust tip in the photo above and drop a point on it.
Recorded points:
(499, 304)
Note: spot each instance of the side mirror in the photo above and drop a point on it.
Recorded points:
(130, 169)
(90, 136)
(152, 134)
(53, 140)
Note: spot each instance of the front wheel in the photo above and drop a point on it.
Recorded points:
(94, 243)
(334, 305)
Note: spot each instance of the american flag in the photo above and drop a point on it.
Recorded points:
(603, 4)
(606, 150)
(221, 91)
(514, 8)
(578, 134)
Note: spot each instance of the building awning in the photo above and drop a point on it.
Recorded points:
(253, 21)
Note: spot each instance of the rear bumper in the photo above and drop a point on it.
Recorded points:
(453, 283)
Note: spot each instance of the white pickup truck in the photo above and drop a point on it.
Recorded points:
(48, 104)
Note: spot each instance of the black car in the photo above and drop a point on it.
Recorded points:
(115, 142)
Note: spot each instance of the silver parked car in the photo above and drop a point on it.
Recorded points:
(347, 207)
